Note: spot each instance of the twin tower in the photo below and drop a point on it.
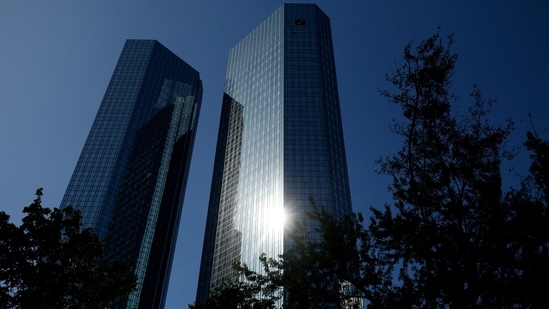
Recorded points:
(280, 142)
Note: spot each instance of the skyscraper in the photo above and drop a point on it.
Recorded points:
(280, 142)
(130, 179)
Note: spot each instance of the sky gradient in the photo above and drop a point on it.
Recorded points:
(57, 57)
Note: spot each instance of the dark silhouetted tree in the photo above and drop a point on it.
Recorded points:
(527, 231)
(339, 271)
(252, 291)
(49, 262)
(456, 239)
(329, 273)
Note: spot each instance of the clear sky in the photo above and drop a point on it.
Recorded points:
(56, 59)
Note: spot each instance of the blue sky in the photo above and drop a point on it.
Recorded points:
(56, 59)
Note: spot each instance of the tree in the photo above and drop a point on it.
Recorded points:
(49, 262)
(251, 291)
(329, 273)
(527, 233)
(457, 240)
(454, 238)
(339, 271)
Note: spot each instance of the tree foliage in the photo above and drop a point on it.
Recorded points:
(252, 291)
(306, 276)
(453, 238)
(49, 262)
(452, 231)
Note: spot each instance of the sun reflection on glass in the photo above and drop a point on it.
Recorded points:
(277, 217)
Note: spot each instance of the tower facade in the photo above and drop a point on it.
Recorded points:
(130, 179)
(280, 142)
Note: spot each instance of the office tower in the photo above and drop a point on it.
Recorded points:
(280, 142)
(130, 179)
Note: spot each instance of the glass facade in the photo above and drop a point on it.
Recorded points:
(280, 142)
(130, 179)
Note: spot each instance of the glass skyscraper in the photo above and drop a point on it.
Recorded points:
(130, 179)
(280, 142)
